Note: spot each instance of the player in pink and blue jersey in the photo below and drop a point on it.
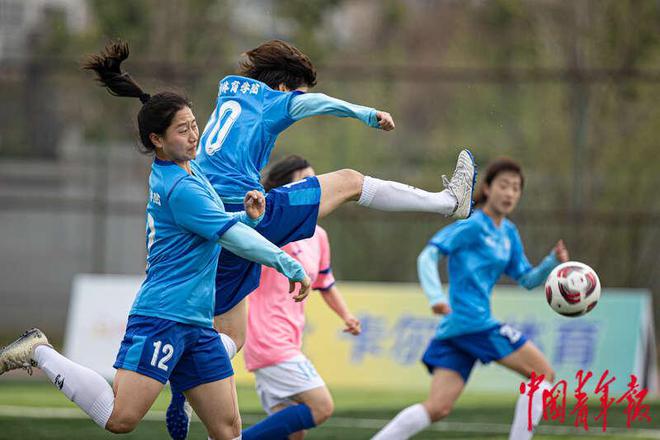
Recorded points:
(479, 250)
(273, 349)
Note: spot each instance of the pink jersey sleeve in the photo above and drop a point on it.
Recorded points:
(325, 279)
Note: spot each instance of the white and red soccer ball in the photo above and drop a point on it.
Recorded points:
(572, 289)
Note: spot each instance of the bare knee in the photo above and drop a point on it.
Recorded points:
(226, 428)
(322, 410)
(437, 411)
(121, 423)
(355, 178)
(352, 179)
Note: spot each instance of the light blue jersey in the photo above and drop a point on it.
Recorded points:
(240, 135)
(185, 218)
(479, 253)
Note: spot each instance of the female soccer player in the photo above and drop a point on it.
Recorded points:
(252, 109)
(169, 334)
(284, 376)
(479, 250)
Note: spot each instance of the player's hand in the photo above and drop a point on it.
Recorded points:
(385, 121)
(304, 288)
(441, 309)
(561, 252)
(352, 325)
(255, 204)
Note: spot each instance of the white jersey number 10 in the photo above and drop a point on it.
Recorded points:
(229, 111)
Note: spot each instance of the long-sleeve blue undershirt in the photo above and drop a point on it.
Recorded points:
(429, 277)
(537, 275)
(244, 218)
(314, 104)
(247, 243)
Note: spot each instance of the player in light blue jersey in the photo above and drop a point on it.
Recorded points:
(252, 109)
(169, 334)
(479, 250)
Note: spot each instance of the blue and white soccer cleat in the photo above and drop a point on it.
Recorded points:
(20, 353)
(462, 184)
(177, 417)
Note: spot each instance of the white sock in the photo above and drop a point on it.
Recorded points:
(86, 388)
(406, 424)
(519, 426)
(394, 196)
(229, 344)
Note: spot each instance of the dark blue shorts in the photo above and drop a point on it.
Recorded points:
(291, 214)
(461, 352)
(186, 355)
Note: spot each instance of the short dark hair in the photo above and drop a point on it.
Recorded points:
(277, 62)
(282, 171)
(157, 111)
(497, 166)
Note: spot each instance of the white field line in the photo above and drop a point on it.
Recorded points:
(349, 422)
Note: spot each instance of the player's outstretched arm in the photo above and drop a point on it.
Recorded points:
(335, 300)
(429, 278)
(249, 244)
(316, 104)
(537, 275)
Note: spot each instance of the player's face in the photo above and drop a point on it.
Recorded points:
(179, 143)
(504, 193)
(302, 174)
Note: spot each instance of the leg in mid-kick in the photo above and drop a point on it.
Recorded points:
(291, 214)
(347, 185)
(526, 360)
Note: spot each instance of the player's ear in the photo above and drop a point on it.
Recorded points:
(156, 140)
(283, 88)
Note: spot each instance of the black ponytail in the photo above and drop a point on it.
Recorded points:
(107, 66)
(157, 111)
